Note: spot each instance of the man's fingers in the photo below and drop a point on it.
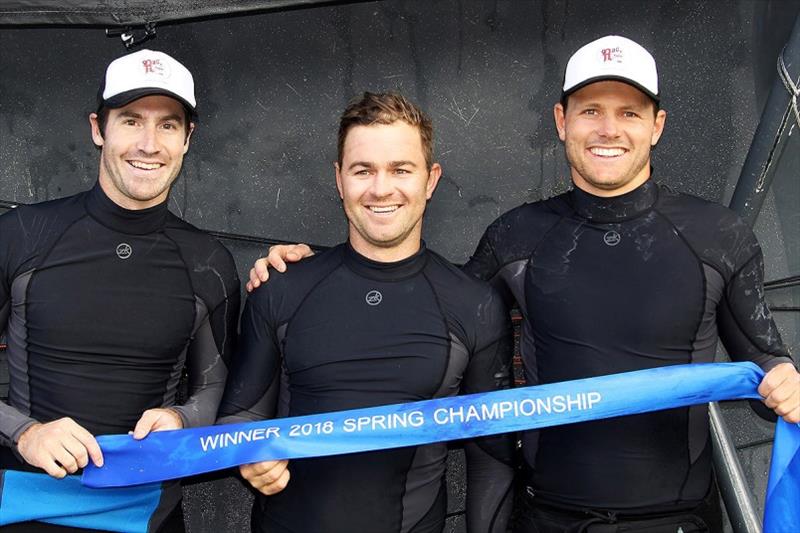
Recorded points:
(267, 477)
(52, 468)
(253, 282)
(77, 451)
(777, 377)
(274, 259)
(89, 444)
(781, 391)
(64, 457)
(144, 425)
(59, 447)
(275, 486)
(263, 468)
(161, 419)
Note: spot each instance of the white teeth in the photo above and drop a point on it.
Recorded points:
(607, 152)
(145, 166)
(383, 209)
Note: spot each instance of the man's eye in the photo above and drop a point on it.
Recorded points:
(402, 171)
(129, 122)
(362, 172)
(590, 111)
(631, 114)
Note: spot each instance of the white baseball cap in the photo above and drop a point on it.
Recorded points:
(144, 73)
(612, 58)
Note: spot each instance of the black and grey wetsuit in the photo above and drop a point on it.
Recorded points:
(103, 308)
(606, 285)
(339, 331)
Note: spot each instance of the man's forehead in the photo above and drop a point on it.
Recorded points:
(619, 92)
(160, 105)
(383, 140)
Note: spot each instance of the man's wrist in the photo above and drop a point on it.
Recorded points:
(25, 435)
(177, 415)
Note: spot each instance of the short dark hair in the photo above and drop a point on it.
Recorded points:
(386, 108)
(102, 119)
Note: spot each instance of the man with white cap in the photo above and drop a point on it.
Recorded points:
(107, 299)
(622, 274)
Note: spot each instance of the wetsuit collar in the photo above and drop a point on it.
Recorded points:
(615, 208)
(379, 271)
(132, 222)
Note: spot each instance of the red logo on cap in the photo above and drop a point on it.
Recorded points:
(152, 66)
(611, 54)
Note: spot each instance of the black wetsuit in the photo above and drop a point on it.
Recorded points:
(102, 309)
(607, 285)
(339, 331)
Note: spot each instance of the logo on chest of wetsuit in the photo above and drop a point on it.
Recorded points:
(612, 238)
(374, 297)
(124, 250)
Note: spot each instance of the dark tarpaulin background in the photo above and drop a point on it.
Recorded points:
(133, 12)
(272, 82)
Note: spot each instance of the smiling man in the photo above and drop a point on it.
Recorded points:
(623, 274)
(106, 298)
(377, 320)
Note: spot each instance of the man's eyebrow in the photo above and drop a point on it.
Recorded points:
(365, 164)
(175, 116)
(395, 164)
(129, 114)
(132, 114)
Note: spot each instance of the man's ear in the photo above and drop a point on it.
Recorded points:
(188, 138)
(433, 180)
(560, 119)
(97, 135)
(338, 180)
(658, 127)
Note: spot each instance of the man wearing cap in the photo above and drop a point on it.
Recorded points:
(622, 274)
(106, 297)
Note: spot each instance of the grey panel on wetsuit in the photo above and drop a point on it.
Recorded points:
(16, 420)
(428, 463)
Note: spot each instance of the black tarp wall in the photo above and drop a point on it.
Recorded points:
(272, 83)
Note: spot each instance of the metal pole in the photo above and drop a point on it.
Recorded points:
(732, 483)
(771, 135)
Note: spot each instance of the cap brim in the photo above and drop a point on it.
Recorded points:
(123, 99)
(622, 79)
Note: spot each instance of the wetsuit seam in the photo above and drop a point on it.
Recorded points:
(310, 291)
(187, 272)
(403, 495)
(50, 249)
(279, 367)
(500, 504)
(704, 282)
(447, 329)
(704, 292)
(744, 332)
(542, 238)
(744, 264)
(42, 260)
(523, 256)
(726, 302)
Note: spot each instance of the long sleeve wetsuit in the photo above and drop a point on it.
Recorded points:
(339, 331)
(103, 308)
(605, 285)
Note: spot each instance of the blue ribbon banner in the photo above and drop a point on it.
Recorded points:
(173, 454)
